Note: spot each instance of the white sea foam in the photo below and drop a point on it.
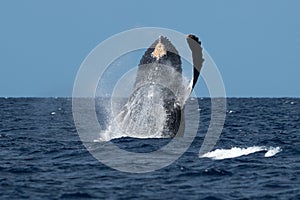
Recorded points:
(234, 152)
(272, 151)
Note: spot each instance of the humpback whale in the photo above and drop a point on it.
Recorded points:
(156, 106)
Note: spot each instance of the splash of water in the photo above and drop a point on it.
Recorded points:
(220, 154)
(151, 109)
(143, 116)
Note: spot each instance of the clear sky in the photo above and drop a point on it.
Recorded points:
(255, 43)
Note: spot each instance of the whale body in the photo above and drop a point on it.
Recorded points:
(156, 106)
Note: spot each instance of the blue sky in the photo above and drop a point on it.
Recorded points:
(255, 44)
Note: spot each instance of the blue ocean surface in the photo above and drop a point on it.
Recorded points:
(256, 157)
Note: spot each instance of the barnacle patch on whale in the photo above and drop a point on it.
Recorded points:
(159, 50)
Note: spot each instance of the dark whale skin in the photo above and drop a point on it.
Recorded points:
(159, 91)
(165, 74)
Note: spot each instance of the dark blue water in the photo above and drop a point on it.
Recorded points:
(42, 157)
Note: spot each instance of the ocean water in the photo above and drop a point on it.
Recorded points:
(256, 157)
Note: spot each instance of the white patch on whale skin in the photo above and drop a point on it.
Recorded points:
(159, 51)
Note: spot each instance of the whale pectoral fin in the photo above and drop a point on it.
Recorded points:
(195, 46)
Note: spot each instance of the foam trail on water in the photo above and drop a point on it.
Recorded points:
(234, 152)
(272, 151)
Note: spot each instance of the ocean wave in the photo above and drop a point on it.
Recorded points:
(234, 152)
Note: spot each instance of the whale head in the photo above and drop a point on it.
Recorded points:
(162, 51)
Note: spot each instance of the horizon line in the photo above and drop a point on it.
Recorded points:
(6, 97)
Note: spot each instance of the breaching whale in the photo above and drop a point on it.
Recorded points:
(156, 106)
